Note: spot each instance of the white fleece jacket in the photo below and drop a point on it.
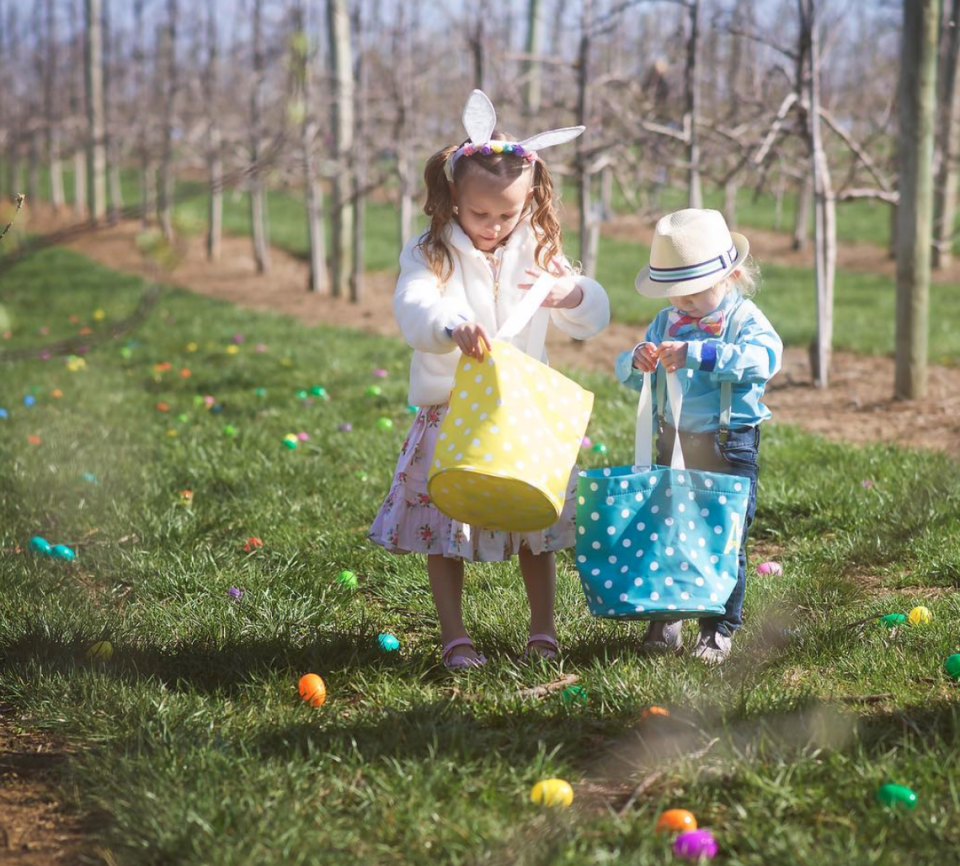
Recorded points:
(424, 309)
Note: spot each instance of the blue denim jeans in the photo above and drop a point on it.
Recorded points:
(736, 456)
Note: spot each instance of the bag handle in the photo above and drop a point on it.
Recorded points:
(526, 311)
(643, 444)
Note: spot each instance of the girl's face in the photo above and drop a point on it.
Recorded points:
(489, 206)
(701, 303)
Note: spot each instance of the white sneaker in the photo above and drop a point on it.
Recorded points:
(712, 646)
(663, 637)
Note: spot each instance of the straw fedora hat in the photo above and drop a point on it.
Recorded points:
(692, 250)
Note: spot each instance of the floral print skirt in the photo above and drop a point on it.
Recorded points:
(408, 522)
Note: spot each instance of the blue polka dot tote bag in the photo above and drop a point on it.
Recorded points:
(658, 542)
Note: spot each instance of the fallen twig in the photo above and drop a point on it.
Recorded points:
(549, 688)
(654, 777)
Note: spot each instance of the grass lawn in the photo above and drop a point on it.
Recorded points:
(191, 745)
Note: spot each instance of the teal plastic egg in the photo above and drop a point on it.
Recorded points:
(61, 551)
(388, 643)
(40, 545)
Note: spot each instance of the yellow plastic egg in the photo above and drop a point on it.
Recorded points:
(101, 651)
(552, 792)
(919, 616)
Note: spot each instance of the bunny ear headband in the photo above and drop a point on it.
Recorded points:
(480, 120)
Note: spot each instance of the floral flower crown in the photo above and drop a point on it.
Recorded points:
(480, 120)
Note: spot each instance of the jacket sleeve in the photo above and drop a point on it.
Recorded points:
(422, 311)
(589, 317)
(623, 367)
(755, 357)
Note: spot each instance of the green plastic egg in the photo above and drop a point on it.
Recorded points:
(952, 666)
(892, 620)
(347, 579)
(574, 695)
(896, 797)
(384, 424)
(600, 448)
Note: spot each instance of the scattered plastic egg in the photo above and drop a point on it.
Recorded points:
(600, 448)
(384, 424)
(388, 643)
(695, 845)
(345, 428)
(29, 400)
(374, 391)
(40, 545)
(319, 391)
(101, 651)
(587, 442)
(290, 444)
(229, 430)
(654, 711)
(952, 666)
(303, 436)
(252, 544)
(919, 616)
(676, 821)
(312, 689)
(347, 579)
(380, 373)
(575, 695)
(772, 568)
(235, 593)
(301, 394)
(552, 792)
(61, 551)
(4, 413)
(892, 620)
(896, 797)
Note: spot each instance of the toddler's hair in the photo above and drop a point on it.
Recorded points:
(439, 205)
(747, 284)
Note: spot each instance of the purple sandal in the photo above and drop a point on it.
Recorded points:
(455, 662)
(531, 652)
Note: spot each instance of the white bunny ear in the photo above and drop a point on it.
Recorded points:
(479, 117)
(552, 137)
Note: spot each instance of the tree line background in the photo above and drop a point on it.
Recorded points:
(344, 100)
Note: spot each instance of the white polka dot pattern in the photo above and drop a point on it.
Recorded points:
(515, 429)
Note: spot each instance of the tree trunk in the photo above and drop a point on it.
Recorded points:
(341, 68)
(33, 167)
(801, 225)
(360, 163)
(406, 170)
(692, 115)
(165, 189)
(533, 68)
(96, 152)
(730, 189)
(214, 148)
(948, 118)
(111, 149)
(147, 179)
(589, 228)
(53, 118)
(79, 182)
(258, 198)
(918, 76)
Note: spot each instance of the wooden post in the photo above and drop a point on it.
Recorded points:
(918, 77)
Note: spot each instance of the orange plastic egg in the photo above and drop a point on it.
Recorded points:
(312, 689)
(676, 821)
(654, 711)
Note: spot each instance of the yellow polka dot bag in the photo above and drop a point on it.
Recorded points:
(510, 440)
(659, 542)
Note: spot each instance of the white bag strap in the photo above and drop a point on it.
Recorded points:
(526, 311)
(643, 444)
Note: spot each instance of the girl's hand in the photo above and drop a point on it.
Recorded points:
(565, 294)
(645, 357)
(471, 339)
(673, 355)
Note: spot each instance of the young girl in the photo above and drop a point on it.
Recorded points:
(493, 230)
(704, 270)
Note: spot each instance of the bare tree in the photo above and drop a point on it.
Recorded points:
(211, 92)
(532, 67)
(402, 85)
(112, 134)
(258, 196)
(96, 152)
(948, 121)
(169, 86)
(303, 72)
(918, 77)
(341, 68)
(51, 109)
(359, 154)
(76, 107)
(148, 188)
(692, 99)
(589, 224)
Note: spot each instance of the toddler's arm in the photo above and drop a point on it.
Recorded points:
(426, 318)
(627, 371)
(755, 357)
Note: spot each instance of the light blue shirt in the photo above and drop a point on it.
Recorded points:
(748, 361)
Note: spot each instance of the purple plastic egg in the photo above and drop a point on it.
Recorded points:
(695, 844)
(345, 428)
(303, 436)
(774, 568)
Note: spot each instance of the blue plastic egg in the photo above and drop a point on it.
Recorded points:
(4, 413)
(61, 551)
(40, 545)
(29, 400)
(388, 643)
